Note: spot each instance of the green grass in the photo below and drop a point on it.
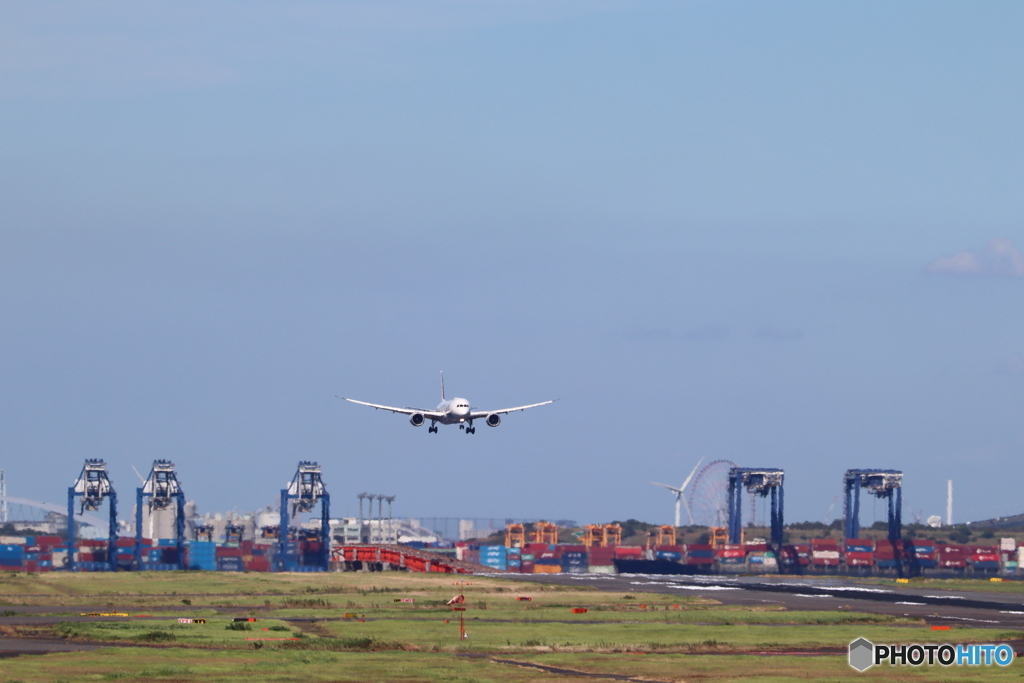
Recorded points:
(655, 636)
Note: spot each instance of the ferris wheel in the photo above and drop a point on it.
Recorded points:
(709, 497)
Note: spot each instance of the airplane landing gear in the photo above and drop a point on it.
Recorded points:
(432, 428)
(471, 429)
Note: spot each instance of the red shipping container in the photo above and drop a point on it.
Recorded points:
(258, 564)
(49, 540)
(729, 553)
(127, 542)
(859, 559)
(698, 546)
(547, 555)
(624, 551)
(755, 547)
(526, 566)
(571, 548)
(224, 551)
(985, 557)
(531, 548)
(31, 566)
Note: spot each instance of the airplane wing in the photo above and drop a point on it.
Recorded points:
(484, 413)
(405, 411)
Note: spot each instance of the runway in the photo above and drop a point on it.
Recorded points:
(937, 607)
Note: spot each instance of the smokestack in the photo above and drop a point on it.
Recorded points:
(949, 502)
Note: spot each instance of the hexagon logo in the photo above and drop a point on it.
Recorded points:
(862, 654)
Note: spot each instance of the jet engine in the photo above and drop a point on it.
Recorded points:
(493, 420)
(416, 419)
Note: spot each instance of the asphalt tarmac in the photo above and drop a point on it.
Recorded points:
(940, 608)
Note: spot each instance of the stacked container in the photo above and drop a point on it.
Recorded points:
(229, 559)
(514, 559)
(1008, 554)
(951, 556)
(699, 553)
(730, 554)
(669, 552)
(494, 556)
(202, 555)
(985, 558)
(574, 561)
(824, 552)
(888, 554)
(860, 553)
(12, 556)
(601, 560)
(547, 560)
(922, 553)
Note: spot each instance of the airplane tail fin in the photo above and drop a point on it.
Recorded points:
(442, 386)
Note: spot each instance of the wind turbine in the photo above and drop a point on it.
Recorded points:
(679, 493)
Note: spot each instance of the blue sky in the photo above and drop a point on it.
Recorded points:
(784, 235)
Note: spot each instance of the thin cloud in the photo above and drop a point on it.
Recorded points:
(999, 257)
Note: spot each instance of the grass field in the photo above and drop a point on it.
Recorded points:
(359, 627)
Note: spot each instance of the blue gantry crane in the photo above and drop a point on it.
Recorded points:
(761, 481)
(162, 489)
(302, 494)
(92, 486)
(885, 484)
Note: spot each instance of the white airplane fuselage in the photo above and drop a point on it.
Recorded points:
(456, 411)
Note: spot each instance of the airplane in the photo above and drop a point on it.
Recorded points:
(449, 412)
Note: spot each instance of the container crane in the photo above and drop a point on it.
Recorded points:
(886, 484)
(302, 494)
(92, 486)
(761, 481)
(162, 489)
